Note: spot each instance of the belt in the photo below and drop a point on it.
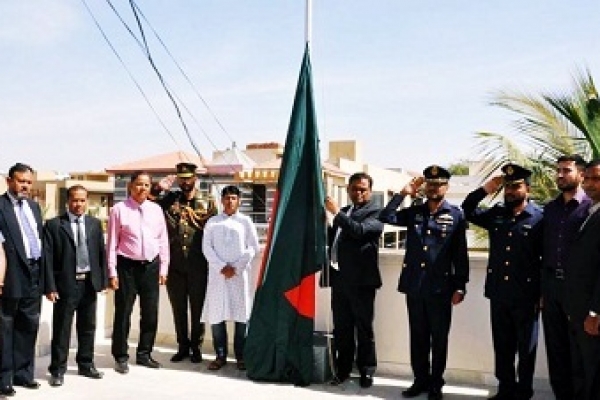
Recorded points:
(137, 262)
(558, 273)
(81, 277)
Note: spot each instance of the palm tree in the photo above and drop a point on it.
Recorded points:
(547, 127)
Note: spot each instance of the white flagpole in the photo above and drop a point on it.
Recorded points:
(308, 22)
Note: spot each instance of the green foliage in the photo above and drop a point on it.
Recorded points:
(459, 168)
(548, 126)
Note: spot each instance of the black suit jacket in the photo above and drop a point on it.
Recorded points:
(61, 259)
(358, 247)
(582, 277)
(17, 281)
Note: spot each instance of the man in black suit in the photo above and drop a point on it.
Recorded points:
(582, 281)
(354, 278)
(21, 227)
(75, 261)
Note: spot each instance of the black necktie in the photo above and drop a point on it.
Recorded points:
(83, 260)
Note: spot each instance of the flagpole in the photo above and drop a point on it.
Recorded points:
(308, 22)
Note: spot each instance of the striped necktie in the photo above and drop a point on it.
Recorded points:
(32, 239)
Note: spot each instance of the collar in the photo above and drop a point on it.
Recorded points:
(72, 217)
(134, 204)
(14, 200)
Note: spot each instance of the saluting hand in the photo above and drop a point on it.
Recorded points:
(493, 185)
(166, 182)
(413, 186)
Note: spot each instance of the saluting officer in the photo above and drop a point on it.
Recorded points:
(434, 274)
(186, 213)
(513, 276)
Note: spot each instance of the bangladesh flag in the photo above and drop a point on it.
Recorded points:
(279, 346)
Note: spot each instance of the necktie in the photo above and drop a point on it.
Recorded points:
(82, 255)
(334, 246)
(32, 239)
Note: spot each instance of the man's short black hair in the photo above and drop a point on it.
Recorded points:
(593, 163)
(230, 190)
(576, 158)
(361, 175)
(137, 174)
(75, 188)
(19, 167)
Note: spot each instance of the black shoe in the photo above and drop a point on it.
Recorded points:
(339, 380)
(7, 391)
(32, 384)
(56, 380)
(435, 394)
(196, 356)
(90, 372)
(180, 355)
(365, 381)
(414, 390)
(148, 362)
(121, 367)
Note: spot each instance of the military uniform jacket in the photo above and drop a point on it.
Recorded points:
(436, 260)
(358, 247)
(513, 274)
(185, 224)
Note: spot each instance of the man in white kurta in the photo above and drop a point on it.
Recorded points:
(229, 244)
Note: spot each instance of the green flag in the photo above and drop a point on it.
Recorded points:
(280, 331)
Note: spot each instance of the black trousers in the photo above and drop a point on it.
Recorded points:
(429, 319)
(353, 310)
(585, 352)
(556, 333)
(514, 332)
(135, 280)
(83, 302)
(19, 323)
(187, 289)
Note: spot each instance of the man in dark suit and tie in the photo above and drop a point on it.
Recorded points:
(582, 281)
(434, 274)
(21, 227)
(354, 278)
(75, 261)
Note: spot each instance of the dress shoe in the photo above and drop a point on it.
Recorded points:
(365, 381)
(148, 362)
(27, 384)
(217, 364)
(7, 391)
(435, 393)
(90, 372)
(414, 390)
(339, 380)
(121, 367)
(196, 356)
(181, 355)
(56, 380)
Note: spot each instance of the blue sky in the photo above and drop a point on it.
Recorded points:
(411, 80)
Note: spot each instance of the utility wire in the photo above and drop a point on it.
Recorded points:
(114, 50)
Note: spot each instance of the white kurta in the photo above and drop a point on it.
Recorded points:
(228, 240)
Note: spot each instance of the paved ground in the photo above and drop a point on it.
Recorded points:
(186, 380)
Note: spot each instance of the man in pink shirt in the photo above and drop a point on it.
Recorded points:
(138, 260)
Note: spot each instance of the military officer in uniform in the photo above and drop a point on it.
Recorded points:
(513, 277)
(434, 274)
(186, 213)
